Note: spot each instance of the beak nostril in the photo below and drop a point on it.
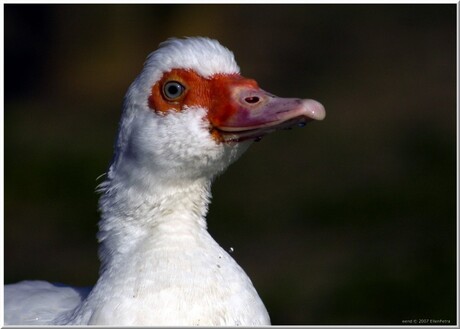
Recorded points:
(252, 99)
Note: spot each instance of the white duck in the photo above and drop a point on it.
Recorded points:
(187, 116)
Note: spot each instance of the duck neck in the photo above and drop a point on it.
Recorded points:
(153, 214)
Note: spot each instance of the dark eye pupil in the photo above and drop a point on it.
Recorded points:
(173, 90)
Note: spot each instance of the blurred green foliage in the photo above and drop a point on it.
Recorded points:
(348, 221)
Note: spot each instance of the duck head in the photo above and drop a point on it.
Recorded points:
(190, 113)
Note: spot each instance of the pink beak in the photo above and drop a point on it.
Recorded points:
(257, 113)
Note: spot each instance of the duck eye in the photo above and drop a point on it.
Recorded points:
(172, 90)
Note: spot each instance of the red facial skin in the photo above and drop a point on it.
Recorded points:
(214, 94)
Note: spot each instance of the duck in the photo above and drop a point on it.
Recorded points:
(187, 116)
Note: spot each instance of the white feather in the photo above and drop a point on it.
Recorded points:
(159, 265)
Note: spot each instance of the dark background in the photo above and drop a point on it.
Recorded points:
(348, 221)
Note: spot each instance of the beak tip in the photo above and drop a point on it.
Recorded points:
(315, 110)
